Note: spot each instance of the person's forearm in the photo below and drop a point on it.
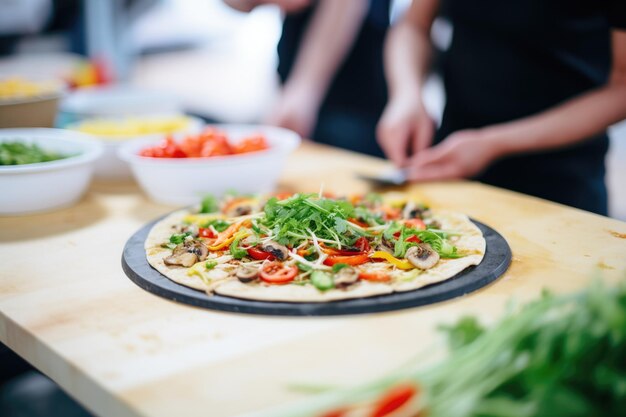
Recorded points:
(571, 122)
(564, 125)
(407, 59)
(408, 49)
(327, 41)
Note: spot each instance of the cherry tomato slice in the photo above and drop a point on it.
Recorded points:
(358, 259)
(278, 273)
(206, 232)
(260, 255)
(375, 276)
(215, 148)
(393, 399)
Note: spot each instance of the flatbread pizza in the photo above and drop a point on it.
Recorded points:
(312, 248)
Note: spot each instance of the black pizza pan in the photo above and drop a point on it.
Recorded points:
(495, 263)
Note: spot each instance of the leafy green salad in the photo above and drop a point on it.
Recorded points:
(20, 153)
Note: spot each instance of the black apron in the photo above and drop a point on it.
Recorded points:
(357, 94)
(515, 58)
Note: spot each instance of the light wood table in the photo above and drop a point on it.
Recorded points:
(67, 307)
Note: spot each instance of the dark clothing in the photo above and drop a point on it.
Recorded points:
(512, 59)
(357, 94)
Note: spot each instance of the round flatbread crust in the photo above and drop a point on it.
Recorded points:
(470, 242)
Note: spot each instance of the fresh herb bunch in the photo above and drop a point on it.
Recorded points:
(296, 218)
(559, 356)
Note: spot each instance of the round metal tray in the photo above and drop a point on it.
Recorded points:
(496, 261)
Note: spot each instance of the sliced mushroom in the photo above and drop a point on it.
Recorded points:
(414, 211)
(247, 273)
(422, 256)
(386, 246)
(346, 276)
(279, 251)
(188, 253)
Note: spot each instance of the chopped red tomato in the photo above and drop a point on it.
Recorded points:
(393, 399)
(206, 232)
(374, 276)
(217, 147)
(168, 148)
(209, 143)
(260, 255)
(413, 238)
(251, 144)
(415, 224)
(359, 259)
(278, 273)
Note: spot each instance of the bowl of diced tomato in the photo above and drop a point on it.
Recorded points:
(181, 169)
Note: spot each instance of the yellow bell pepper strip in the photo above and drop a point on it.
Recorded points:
(201, 218)
(398, 263)
(229, 240)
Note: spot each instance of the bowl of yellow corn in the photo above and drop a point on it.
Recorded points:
(28, 103)
(114, 131)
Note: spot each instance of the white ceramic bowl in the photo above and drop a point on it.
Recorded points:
(50, 185)
(116, 101)
(109, 167)
(184, 181)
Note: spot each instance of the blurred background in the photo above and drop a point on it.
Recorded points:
(201, 56)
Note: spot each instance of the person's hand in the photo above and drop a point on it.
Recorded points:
(463, 154)
(296, 109)
(404, 129)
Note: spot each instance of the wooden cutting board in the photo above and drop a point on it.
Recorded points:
(67, 307)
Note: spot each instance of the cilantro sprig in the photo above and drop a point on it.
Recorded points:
(436, 239)
(294, 219)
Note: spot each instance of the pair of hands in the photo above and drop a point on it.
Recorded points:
(405, 133)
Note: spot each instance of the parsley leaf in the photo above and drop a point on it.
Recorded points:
(209, 204)
(294, 219)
